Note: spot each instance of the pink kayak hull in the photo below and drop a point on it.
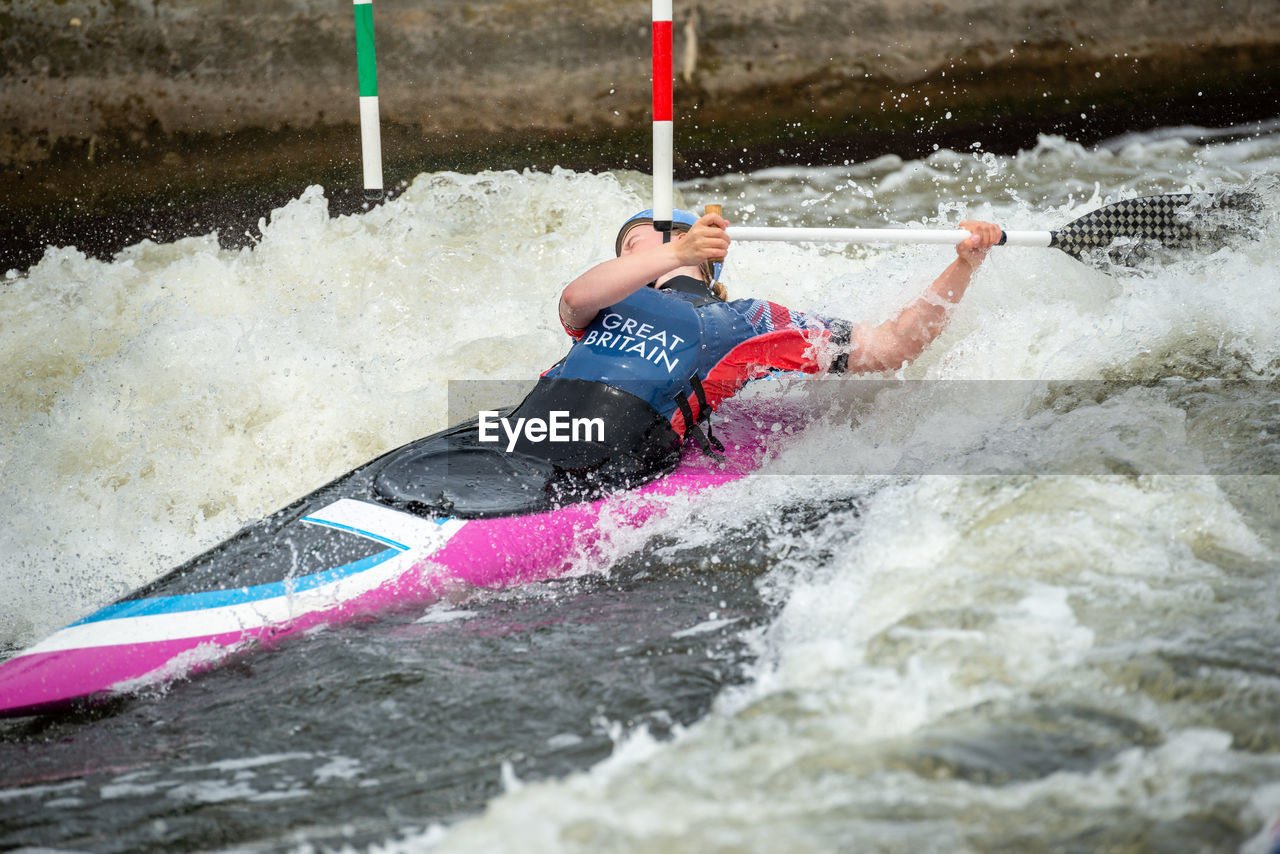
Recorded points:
(150, 641)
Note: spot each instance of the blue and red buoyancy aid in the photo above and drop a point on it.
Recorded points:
(682, 351)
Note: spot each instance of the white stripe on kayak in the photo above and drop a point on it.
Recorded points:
(424, 537)
(363, 517)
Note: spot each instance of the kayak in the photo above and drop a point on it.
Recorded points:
(342, 552)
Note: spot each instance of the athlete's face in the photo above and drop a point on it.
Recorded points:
(644, 237)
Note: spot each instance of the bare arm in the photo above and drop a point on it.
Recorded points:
(614, 280)
(893, 343)
(647, 261)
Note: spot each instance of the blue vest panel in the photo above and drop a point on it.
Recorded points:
(651, 343)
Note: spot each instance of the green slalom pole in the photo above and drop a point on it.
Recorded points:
(370, 134)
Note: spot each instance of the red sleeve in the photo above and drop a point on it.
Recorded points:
(571, 331)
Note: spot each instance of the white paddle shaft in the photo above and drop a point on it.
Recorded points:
(878, 235)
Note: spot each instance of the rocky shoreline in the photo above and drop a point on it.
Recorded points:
(131, 118)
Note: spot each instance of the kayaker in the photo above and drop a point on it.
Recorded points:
(657, 346)
(741, 339)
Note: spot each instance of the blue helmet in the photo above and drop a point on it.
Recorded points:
(681, 221)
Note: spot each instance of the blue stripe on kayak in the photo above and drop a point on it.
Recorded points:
(313, 520)
(236, 596)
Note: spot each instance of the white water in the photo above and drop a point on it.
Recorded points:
(155, 403)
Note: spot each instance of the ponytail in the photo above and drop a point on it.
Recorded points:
(718, 290)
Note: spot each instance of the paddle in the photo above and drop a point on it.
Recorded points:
(1173, 221)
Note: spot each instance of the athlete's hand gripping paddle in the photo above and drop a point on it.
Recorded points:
(1174, 221)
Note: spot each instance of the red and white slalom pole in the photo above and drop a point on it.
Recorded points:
(663, 129)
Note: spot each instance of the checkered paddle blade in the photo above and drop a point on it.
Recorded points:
(1130, 230)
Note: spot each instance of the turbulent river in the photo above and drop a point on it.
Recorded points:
(1019, 596)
